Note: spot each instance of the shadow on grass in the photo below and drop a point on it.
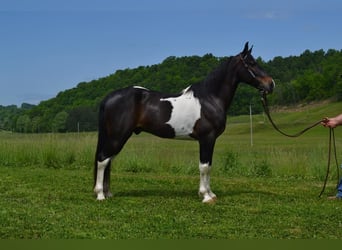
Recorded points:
(156, 193)
(193, 193)
(178, 189)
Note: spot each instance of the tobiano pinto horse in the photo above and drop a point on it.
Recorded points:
(198, 112)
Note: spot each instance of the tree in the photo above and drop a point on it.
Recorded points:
(23, 124)
(339, 89)
(59, 122)
(35, 124)
(82, 119)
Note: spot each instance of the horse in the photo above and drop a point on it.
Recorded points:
(198, 112)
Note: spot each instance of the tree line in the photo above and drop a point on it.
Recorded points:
(308, 77)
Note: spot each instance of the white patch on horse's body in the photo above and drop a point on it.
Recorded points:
(139, 87)
(101, 166)
(185, 90)
(186, 110)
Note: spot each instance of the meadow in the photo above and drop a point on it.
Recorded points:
(268, 190)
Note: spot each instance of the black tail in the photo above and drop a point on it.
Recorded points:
(101, 136)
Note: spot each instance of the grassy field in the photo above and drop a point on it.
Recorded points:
(265, 191)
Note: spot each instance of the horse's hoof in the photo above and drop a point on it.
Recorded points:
(209, 200)
(108, 195)
(100, 197)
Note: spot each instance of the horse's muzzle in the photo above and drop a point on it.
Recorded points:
(267, 85)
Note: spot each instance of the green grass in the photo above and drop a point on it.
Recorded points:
(265, 191)
(56, 203)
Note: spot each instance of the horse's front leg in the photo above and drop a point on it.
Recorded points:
(206, 154)
(204, 189)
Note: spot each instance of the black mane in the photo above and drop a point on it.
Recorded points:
(211, 83)
(219, 73)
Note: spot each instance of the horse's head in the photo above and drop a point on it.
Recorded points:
(251, 73)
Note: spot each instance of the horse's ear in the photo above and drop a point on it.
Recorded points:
(245, 50)
(250, 50)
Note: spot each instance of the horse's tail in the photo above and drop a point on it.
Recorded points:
(101, 136)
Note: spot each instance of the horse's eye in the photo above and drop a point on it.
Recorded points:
(252, 63)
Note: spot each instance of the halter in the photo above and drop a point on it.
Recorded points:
(247, 67)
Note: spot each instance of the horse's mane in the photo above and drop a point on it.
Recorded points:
(209, 84)
(219, 73)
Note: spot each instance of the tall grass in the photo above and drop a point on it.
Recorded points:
(46, 150)
(270, 155)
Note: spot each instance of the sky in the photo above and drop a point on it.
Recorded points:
(49, 46)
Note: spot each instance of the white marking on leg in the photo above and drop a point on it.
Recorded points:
(186, 110)
(204, 189)
(101, 166)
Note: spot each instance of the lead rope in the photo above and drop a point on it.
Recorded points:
(265, 105)
(331, 141)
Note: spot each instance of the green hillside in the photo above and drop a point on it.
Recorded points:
(290, 120)
(311, 76)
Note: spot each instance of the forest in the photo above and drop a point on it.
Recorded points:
(311, 76)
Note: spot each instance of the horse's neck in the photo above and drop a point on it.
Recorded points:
(227, 91)
(225, 85)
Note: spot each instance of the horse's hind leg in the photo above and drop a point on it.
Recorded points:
(104, 154)
(106, 181)
(100, 170)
